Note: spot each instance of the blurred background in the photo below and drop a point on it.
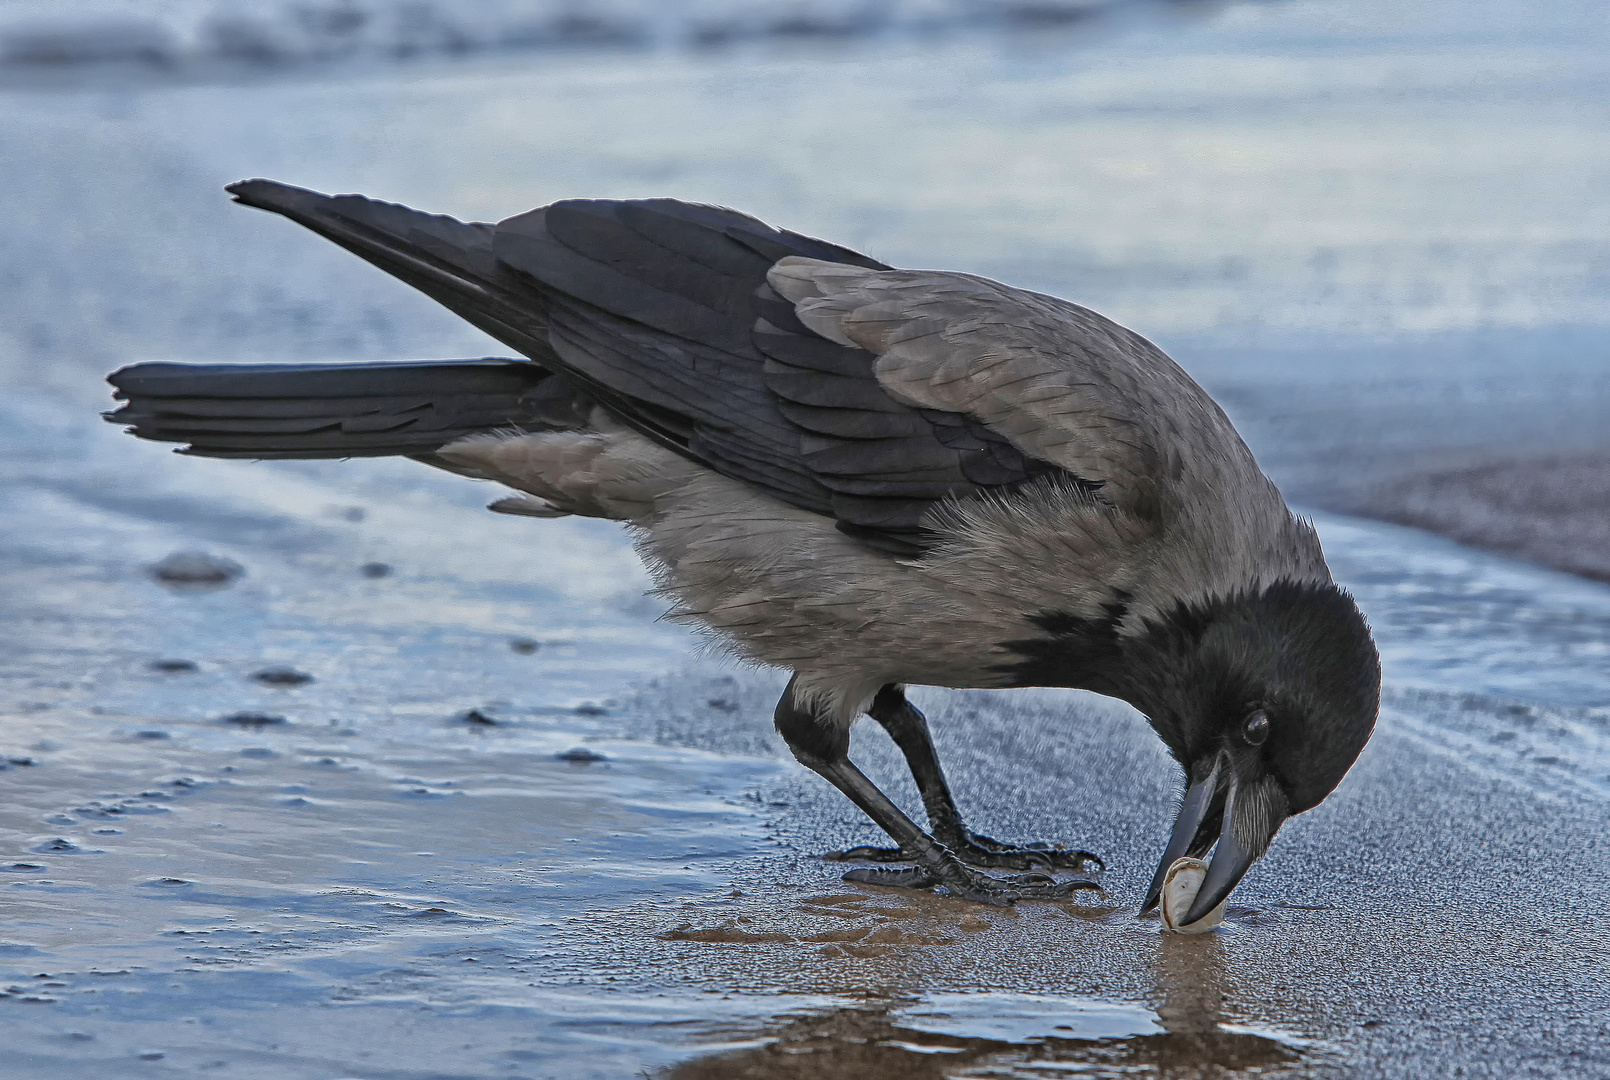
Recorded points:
(1378, 233)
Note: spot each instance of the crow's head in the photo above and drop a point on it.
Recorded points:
(1266, 697)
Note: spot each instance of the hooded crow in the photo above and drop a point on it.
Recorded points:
(869, 476)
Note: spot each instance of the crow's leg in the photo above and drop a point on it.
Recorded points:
(909, 730)
(823, 747)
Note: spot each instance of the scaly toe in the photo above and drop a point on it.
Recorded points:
(869, 854)
(984, 851)
(911, 877)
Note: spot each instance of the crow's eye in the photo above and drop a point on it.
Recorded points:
(1256, 729)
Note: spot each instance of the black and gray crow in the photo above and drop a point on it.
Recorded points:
(869, 476)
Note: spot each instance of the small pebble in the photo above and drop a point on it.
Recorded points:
(253, 719)
(173, 667)
(375, 570)
(476, 716)
(282, 676)
(580, 756)
(196, 570)
(524, 645)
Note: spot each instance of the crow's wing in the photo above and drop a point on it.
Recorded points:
(1058, 382)
(660, 311)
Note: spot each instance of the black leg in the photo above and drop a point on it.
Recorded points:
(909, 730)
(823, 748)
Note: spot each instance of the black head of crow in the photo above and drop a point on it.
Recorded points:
(1266, 698)
(872, 477)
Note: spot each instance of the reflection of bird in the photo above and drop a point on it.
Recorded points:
(872, 477)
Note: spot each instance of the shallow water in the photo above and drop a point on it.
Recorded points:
(363, 881)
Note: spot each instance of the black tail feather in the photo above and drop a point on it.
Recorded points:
(336, 410)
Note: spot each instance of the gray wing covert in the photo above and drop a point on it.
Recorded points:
(1056, 381)
(663, 310)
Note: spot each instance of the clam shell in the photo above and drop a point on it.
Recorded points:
(1180, 886)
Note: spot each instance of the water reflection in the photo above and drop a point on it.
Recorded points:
(1017, 1035)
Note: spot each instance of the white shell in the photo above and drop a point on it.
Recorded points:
(1180, 886)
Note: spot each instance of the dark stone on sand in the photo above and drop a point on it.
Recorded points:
(173, 667)
(253, 719)
(282, 676)
(151, 733)
(524, 646)
(580, 756)
(23, 868)
(476, 716)
(196, 571)
(589, 709)
(21, 761)
(375, 570)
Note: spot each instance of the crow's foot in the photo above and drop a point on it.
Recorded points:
(979, 850)
(965, 883)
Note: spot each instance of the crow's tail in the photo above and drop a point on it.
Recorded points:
(336, 410)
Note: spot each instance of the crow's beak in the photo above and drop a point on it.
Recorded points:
(1219, 809)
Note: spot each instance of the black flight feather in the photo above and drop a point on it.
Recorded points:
(655, 309)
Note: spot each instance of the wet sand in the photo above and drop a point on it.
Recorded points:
(378, 887)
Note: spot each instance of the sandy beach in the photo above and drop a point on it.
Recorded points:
(427, 793)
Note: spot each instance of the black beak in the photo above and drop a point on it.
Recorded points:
(1194, 833)
(1199, 799)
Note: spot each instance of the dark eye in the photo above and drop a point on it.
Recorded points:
(1256, 729)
